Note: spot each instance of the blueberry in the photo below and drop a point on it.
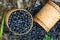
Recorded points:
(36, 33)
(55, 31)
(9, 33)
(19, 19)
(34, 9)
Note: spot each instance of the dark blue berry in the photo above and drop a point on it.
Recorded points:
(36, 33)
(55, 31)
(20, 21)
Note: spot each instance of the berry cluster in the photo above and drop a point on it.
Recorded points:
(35, 8)
(55, 31)
(9, 35)
(20, 21)
(37, 33)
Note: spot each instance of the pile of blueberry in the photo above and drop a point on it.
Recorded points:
(55, 31)
(34, 9)
(20, 21)
(36, 6)
(36, 33)
(9, 35)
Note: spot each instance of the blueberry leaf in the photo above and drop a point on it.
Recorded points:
(2, 26)
(47, 38)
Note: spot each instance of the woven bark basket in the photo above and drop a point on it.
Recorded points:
(48, 15)
(7, 18)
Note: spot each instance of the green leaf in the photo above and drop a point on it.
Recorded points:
(2, 26)
(47, 38)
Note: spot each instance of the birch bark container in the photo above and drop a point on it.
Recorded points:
(48, 16)
(7, 18)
